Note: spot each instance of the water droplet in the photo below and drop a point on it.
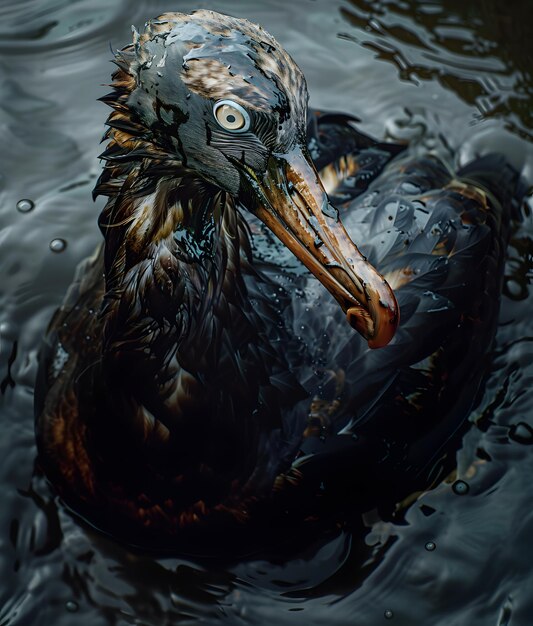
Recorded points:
(25, 205)
(460, 487)
(71, 606)
(388, 614)
(514, 288)
(58, 245)
(430, 546)
(409, 188)
(521, 433)
(7, 329)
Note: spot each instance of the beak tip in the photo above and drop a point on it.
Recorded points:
(382, 339)
(385, 330)
(377, 327)
(386, 324)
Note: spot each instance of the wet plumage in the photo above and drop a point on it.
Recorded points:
(197, 375)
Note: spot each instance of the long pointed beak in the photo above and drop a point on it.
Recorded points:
(293, 204)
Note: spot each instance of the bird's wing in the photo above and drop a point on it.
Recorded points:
(439, 239)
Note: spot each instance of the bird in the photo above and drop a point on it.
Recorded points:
(285, 317)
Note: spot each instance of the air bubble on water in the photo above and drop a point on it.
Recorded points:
(71, 606)
(521, 433)
(25, 205)
(514, 288)
(58, 245)
(460, 487)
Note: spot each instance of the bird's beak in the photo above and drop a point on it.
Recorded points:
(292, 202)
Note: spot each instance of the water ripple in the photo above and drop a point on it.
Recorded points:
(442, 74)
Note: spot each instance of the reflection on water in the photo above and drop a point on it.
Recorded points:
(477, 50)
(439, 70)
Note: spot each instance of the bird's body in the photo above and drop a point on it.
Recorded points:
(197, 375)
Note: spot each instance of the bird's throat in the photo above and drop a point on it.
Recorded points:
(172, 269)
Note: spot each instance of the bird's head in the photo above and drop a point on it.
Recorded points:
(219, 96)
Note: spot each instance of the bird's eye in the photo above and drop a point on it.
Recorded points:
(231, 116)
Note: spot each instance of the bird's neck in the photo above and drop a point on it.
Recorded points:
(173, 252)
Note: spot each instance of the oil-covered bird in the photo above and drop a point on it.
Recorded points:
(203, 373)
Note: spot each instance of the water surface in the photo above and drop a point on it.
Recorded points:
(458, 74)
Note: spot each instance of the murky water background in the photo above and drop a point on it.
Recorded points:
(458, 71)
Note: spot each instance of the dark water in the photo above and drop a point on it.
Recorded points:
(442, 71)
